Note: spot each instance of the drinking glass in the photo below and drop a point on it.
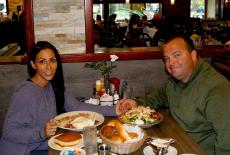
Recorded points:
(90, 140)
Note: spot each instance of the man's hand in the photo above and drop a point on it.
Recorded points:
(124, 105)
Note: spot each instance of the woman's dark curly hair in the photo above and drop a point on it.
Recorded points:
(58, 79)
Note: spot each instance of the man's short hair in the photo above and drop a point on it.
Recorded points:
(188, 41)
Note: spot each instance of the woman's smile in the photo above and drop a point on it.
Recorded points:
(45, 65)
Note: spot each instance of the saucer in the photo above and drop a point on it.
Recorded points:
(188, 154)
(149, 151)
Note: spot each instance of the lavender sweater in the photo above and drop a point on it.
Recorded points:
(30, 108)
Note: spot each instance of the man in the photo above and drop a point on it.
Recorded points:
(198, 97)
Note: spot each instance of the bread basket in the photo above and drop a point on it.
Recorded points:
(127, 147)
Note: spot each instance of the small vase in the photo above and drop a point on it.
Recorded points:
(107, 82)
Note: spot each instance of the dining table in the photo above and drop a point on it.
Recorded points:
(167, 128)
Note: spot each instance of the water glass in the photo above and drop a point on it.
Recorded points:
(90, 140)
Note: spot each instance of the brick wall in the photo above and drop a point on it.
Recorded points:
(142, 76)
(61, 22)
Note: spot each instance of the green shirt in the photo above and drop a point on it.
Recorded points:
(201, 107)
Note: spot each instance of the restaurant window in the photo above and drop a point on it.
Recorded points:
(197, 9)
(211, 9)
(3, 7)
(97, 10)
(151, 9)
(124, 11)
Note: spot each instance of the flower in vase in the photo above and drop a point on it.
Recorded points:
(113, 58)
(103, 66)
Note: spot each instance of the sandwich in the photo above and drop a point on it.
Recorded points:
(68, 139)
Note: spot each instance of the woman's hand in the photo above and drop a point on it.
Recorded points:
(124, 105)
(50, 128)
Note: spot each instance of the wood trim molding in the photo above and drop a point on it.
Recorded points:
(89, 25)
(29, 24)
(136, 54)
(103, 54)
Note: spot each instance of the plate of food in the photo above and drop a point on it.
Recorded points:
(66, 141)
(77, 120)
(144, 117)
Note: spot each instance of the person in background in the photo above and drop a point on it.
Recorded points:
(97, 34)
(196, 95)
(112, 25)
(35, 102)
(158, 35)
(144, 21)
(98, 30)
(99, 22)
(134, 28)
(14, 17)
(156, 20)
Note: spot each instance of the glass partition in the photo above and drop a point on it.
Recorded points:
(152, 8)
(117, 23)
(197, 9)
(12, 34)
(3, 8)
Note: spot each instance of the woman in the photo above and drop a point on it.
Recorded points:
(134, 28)
(29, 121)
(99, 22)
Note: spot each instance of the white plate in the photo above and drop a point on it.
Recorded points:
(66, 152)
(98, 118)
(149, 151)
(55, 146)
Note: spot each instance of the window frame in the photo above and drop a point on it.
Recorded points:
(7, 7)
(125, 54)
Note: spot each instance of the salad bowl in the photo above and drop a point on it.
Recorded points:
(144, 117)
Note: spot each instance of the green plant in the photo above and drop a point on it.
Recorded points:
(103, 66)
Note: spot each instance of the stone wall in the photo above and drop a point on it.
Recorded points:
(142, 76)
(61, 22)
